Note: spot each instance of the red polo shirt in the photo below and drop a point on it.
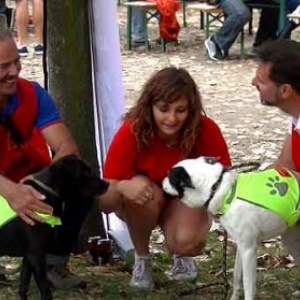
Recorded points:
(125, 161)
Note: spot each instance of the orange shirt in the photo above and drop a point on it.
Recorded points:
(124, 161)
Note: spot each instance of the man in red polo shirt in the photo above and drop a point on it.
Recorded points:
(278, 81)
(30, 124)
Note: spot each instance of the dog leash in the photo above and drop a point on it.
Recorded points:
(244, 168)
(225, 285)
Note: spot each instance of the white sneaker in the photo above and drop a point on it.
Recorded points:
(213, 51)
(183, 269)
(141, 274)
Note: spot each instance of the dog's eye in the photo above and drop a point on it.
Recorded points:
(211, 160)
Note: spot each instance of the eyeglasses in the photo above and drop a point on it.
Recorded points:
(16, 135)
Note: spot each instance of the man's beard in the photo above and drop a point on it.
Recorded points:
(268, 103)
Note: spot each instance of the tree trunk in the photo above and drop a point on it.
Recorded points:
(70, 83)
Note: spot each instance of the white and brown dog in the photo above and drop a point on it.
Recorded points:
(252, 207)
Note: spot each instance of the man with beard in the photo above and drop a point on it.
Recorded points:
(277, 80)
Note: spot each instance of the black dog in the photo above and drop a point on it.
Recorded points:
(67, 178)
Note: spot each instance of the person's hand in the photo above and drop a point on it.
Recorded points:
(26, 201)
(136, 190)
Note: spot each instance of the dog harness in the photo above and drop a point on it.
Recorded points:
(276, 190)
(7, 214)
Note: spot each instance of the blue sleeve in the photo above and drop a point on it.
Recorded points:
(47, 110)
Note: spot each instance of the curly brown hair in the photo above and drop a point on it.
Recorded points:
(168, 85)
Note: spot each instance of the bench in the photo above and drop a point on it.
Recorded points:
(209, 14)
(150, 9)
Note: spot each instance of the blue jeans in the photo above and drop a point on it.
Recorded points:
(139, 29)
(237, 15)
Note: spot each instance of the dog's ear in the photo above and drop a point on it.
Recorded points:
(179, 179)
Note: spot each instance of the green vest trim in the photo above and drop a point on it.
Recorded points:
(276, 190)
(7, 214)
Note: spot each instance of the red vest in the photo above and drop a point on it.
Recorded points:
(296, 148)
(18, 161)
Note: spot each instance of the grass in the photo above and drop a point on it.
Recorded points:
(277, 278)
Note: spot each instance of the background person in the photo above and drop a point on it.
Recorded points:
(277, 80)
(237, 16)
(22, 19)
(166, 125)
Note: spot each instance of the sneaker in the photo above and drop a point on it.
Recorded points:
(39, 49)
(62, 277)
(213, 50)
(23, 51)
(183, 269)
(141, 274)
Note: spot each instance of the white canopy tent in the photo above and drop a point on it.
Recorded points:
(109, 102)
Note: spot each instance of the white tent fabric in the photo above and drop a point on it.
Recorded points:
(109, 102)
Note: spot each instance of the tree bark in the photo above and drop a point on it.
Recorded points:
(69, 79)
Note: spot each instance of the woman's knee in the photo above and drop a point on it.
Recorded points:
(186, 244)
(185, 229)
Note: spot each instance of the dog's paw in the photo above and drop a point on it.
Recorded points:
(276, 186)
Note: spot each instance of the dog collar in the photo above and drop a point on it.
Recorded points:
(45, 187)
(215, 188)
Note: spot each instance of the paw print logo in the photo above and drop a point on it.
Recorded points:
(277, 186)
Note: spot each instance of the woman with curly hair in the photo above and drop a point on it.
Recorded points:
(166, 125)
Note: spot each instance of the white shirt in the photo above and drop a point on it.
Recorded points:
(294, 122)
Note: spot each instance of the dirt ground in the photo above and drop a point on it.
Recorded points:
(252, 131)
